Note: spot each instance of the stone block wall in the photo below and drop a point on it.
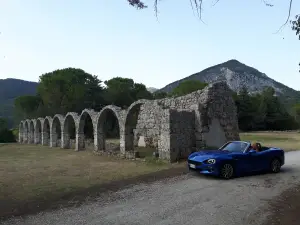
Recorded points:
(148, 124)
(174, 126)
(215, 115)
(177, 134)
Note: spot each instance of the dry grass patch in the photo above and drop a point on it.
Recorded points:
(37, 174)
(289, 141)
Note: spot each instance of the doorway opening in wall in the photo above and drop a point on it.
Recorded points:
(136, 138)
(46, 132)
(31, 132)
(56, 132)
(88, 131)
(112, 133)
(38, 131)
(108, 131)
(69, 132)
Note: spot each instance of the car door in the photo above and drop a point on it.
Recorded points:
(257, 161)
(242, 162)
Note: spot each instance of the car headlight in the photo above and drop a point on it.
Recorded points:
(211, 161)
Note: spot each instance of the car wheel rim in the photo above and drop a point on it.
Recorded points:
(275, 165)
(227, 171)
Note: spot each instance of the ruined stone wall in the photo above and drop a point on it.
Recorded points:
(148, 124)
(215, 116)
(219, 116)
(174, 126)
(177, 134)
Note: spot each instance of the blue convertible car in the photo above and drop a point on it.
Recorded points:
(236, 158)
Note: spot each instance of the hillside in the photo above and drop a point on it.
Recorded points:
(237, 75)
(9, 90)
(152, 89)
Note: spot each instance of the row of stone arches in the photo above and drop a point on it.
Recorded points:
(77, 131)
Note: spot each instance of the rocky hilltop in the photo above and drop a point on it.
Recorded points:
(238, 75)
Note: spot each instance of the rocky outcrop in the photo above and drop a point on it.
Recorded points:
(173, 126)
(237, 76)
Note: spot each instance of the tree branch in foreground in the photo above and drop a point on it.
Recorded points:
(197, 4)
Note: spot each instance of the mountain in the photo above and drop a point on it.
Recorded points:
(152, 89)
(9, 90)
(238, 75)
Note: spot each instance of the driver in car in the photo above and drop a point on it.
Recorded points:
(256, 147)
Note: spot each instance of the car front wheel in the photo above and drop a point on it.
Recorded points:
(275, 166)
(227, 171)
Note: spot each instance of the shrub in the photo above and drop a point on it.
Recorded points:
(7, 136)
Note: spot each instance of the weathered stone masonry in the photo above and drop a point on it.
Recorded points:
(174, 126)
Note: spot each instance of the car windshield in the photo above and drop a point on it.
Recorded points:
(235, 147)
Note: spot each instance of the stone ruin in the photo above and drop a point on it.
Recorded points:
(175, 127)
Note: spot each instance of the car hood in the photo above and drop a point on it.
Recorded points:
(207, 154)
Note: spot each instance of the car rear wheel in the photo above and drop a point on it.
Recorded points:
(227, 171)
(275, 165)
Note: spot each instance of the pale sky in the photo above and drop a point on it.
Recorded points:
(109, 38)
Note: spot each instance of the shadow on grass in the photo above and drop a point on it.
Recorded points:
(78, 197)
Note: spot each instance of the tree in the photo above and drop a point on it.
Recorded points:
(26, 106)
(160, 95)
(124, 91)
(187, 87)
(296, 111)
(139, 4)
(68, 90)
(197, 4)
(245, 110)
(140, 92)
(6, 135)
(118, 91)
(296, 25)
(3, 124)
(262, 111)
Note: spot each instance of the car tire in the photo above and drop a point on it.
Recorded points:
(227, 171)
(275, 165)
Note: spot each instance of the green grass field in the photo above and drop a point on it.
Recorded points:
(289, 141)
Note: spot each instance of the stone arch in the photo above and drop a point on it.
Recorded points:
(69, 130)
(87, 128)
(100, 134)
(130, 122)
(55, 130)
(26, 131)
(30, 133)
(38, 131)
(21, 132)
(46, 125)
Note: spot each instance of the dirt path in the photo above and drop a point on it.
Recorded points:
(185, 199)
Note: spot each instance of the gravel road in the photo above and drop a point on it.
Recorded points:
(187, 199)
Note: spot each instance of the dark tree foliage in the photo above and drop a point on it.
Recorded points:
(6, 135)
(72, 90)
(123, 92)
(160, 95)
(68, 90)
(262, 112)
(296, 25)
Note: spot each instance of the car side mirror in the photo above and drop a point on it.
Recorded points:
(252, 152)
